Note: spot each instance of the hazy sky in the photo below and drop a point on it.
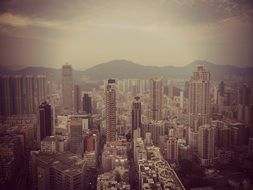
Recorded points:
(150, 32)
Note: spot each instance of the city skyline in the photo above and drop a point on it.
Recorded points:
(126, 94)
(130, 134)
(163, 32)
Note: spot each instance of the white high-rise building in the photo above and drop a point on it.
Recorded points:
(156, 98)
(67, 87)
(110, 109)
(199, 97)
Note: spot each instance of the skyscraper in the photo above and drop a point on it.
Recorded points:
(156, 98)
(136, 114)
(67, 87)
(41, 89)
(28, 94)
(17, 98)
(181, 99)
(5, 96)
(199, 97)
(170, 86)
(87, 104)
(221, 89)
(21, 94)
(206, 141)
(45, 121)
(75, 133)
(110, 109)
(76, 98)
(172, 149)
(245, 108)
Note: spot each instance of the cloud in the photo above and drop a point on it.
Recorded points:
(176, 11)
(148, 31)
(10, 19)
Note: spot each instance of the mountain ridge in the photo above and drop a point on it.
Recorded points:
(121, 68)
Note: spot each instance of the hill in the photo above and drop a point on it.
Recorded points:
(127, 69)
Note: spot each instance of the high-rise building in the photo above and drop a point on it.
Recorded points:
(186, 89)
(41, 89)
(90, 143)
(245, 108)
(28, 94)
(172, 149)
(76, 137)
(21, 94)
(110, 109)
(181, 99)
(223, 135)
(156, 98)
(67, 87)
(17, 88)
(199, 97)
(6, 103)
(156, 128)
(170, 88)
(45, 121)
(87, 106)
(221, 89)
(76, 98)
(136, 114)
(48, 144)
(193, 139)
(57, 171)
(244, 94)
(206, 142)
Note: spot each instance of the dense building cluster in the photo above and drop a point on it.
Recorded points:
(143, 134)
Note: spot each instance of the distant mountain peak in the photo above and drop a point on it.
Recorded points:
(200, 62)
(119, 62)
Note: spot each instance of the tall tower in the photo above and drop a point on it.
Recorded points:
(17, 94)
(170, 87)
(41, 88)
(110, 108)
(172, 149)
(75, 135)
(136, 114)
(5, 96)
(45, 121)
(182, 99)
(244, 108)
(199, 97)
(76, 98)
(206, 143)
(28, 94)
(87, 104)
(21, 94)
(67, 87)
(156, 98)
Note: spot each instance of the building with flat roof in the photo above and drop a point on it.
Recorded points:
(57, 171)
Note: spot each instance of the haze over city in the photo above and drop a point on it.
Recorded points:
(149, 32)
(126, 95)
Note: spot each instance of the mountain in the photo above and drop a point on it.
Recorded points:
(127, 69)
(4, 69)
